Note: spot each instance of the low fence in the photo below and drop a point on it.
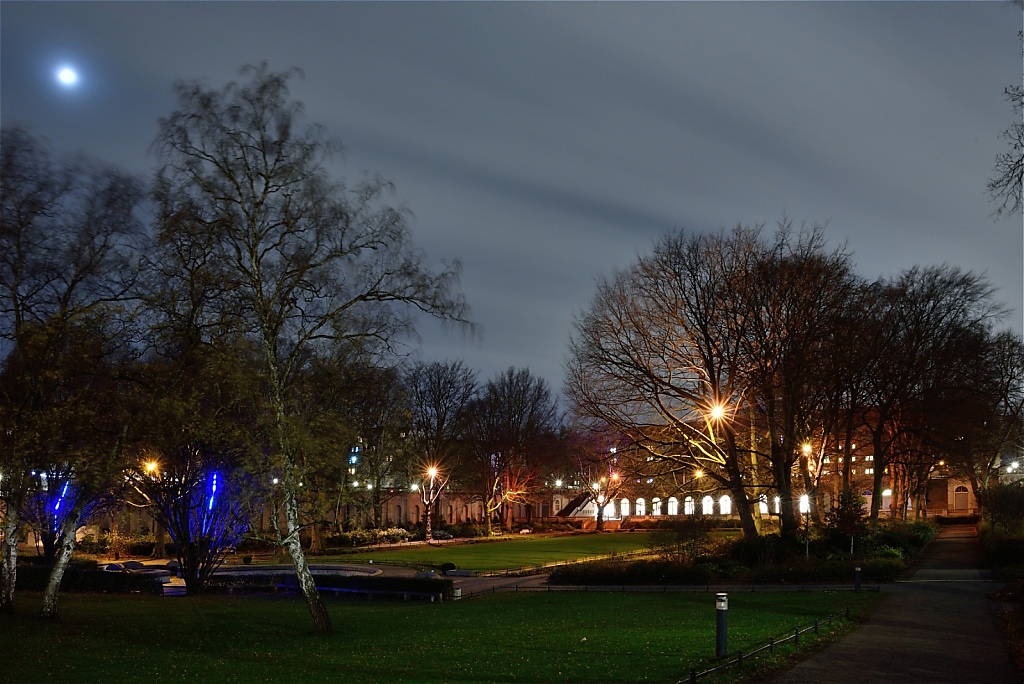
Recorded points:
(538, 569)
(770, 647)
(660, 589)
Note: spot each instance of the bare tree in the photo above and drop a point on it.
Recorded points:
(307, 261)
(1007, 186)
(69, 233)
(511, 426)
(440, 396)
(928, 320)
(658, 357)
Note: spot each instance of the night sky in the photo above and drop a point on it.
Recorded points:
(547, 144)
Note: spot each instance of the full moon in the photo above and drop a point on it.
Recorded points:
(67, 76)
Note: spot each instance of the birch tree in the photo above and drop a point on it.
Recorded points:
(308, 261)
(69, 234)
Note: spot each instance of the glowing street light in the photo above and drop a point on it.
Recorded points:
(429, 493)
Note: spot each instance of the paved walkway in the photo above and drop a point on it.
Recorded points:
(937, 627)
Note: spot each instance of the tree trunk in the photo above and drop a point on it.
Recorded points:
(876, 484)
(67, 546)
(316, 539)
(160, 545)
(783, 481)
(9, 562)
(317, 609)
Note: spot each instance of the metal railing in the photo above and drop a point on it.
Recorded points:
(740, 657)
(665, 589)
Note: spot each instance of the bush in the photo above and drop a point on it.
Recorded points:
(355, 583)
(630, 573)
(765, 551)
(909, 537)
(681, 540)
(83, 576)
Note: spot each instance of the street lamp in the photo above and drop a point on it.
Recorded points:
(429, 493)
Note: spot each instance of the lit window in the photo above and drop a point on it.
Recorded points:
(689, 508)
(708, 505)
(656, 506)
(725, 505)
(673, 506)
(641, 507)
(869, 458)
(624, 507)
(869, 471)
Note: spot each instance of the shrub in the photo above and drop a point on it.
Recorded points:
(83, 576)
(764, 551)
(909, 537)
(630, 573)
(681, 540)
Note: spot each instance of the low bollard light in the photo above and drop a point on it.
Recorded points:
(721, 625)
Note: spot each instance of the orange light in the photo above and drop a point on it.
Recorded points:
(717, 412)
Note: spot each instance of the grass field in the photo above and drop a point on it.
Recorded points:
(534, 637)
(505, 554)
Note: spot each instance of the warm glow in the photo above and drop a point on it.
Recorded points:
(558, 483)
(415, 487)
(717, 412)
(151, 466)
(615, 476)
(699, 473)
(432, 472)
(807, 448)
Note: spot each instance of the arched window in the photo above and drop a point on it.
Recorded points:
(609, 510)
(641, 507)
(960, 498)
(725, 505)
(805, 504)
(656, 506)
(689, 508)
(673, 506)
(778, 505)
(708, 506)
(624, 508)
(558, 505)
(762, 503)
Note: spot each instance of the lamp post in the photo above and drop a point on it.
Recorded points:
(429, 492)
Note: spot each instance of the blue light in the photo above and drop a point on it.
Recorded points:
(213, 492)
(63, 493)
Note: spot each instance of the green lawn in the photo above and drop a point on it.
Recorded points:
(508, 554)
(523, 637)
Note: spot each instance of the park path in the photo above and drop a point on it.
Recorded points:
(938, 626)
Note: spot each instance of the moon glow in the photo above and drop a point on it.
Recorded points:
(67, 76)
